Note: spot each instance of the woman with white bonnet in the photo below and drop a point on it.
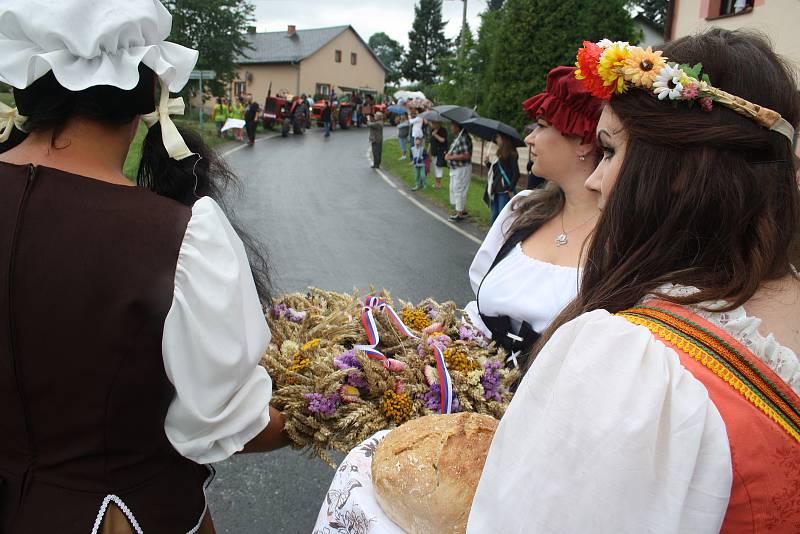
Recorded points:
(131, 325)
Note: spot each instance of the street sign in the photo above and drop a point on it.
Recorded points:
(202, 75)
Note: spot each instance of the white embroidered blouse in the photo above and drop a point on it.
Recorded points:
(214, 336)
(520, 287)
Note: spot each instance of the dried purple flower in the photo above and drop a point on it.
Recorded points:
(295, 316)
(491, 381)
(347, 360)
(432, 399)
(356, 380)
(278, 310)
(322, 404)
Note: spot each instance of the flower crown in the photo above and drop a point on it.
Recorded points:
(608, 68)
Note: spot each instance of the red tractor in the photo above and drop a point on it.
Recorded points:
(316, 113)
(290, 112)
(274, 111)
(345, 115)
(341, 114)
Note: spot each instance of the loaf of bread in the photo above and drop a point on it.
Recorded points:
(426, 471)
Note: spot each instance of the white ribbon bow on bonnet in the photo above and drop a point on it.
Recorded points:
(90, 43)
(10, 118)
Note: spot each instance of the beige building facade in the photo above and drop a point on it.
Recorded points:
(314, 62)
(778, 19)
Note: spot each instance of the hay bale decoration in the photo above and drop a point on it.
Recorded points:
(336, 387)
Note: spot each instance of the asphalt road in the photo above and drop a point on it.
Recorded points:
(329, 221)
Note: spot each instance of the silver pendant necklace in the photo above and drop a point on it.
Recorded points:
(561, 239)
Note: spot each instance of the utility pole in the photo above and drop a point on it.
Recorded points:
(463, 27)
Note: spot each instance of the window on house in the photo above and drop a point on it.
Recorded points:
(732, 7)
(239, 88)
(323, 89)
(353, 58)
(337, 56)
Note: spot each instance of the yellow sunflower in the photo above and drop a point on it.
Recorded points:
(643, 65)
(611, 64)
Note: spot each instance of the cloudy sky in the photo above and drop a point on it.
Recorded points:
(393, 17)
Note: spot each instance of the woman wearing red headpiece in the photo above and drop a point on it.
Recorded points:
(666, 397)
(527, 268)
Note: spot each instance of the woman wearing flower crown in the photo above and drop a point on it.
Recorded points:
(665, 397)
(526, 270)
(131, 322)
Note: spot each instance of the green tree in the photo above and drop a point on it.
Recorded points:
(459, 83)
(426, 43)
(494, 5)
(390, 52)
(532, 37)
(487, 34)
(216, 28)
(653, 10)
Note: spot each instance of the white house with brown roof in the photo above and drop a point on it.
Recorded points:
(314, 61)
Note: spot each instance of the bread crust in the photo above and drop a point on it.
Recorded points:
(425, 472)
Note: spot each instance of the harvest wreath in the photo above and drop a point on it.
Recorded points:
(344, 368)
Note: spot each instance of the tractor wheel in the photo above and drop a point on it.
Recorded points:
(268, 124)
(298, 127)
(285, 128)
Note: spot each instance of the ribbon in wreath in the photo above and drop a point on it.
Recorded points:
(372, 303)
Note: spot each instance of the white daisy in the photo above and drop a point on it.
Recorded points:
(668, 82)
(605, 43)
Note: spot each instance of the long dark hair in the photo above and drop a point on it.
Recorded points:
(708, 200)
(48, 106)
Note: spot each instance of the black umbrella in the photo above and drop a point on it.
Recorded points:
(489, 128)
(455, 113)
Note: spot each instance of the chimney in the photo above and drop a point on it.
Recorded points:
(251, 29)
(291, 31)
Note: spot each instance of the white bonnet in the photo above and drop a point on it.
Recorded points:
(89, 42)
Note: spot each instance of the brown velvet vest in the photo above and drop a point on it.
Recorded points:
(86, 280)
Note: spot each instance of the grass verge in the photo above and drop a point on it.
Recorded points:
(478, 211)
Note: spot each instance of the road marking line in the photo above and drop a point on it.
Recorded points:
(234, 149)
(427, 210)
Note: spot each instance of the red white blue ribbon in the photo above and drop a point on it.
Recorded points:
(445, 383)
(371, 327)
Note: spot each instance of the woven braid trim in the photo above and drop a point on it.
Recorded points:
(718, 365)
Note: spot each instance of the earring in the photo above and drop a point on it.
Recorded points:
(582, 158)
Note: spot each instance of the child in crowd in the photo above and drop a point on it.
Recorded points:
(418, 157)
(403, 129)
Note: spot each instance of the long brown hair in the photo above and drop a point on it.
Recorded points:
(703, 199)
(506, 149)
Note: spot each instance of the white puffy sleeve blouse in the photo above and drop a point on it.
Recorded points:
(607, 432)
(214, 336)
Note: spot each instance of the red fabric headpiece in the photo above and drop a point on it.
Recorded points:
(566, 104)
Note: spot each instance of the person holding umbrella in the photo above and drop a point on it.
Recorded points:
(504, 170)
(438, 151)
(503, 175)
(459, 159)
